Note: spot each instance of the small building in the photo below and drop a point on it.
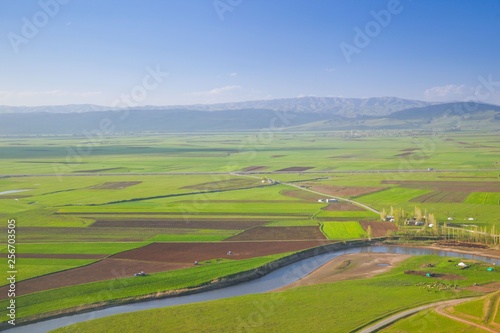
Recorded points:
(321, 200)
(332, 200)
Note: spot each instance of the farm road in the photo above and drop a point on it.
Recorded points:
(359, 204)
(389, 320)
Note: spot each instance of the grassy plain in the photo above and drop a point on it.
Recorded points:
(430, 321)
(72, 182)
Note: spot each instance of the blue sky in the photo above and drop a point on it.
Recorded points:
(95, 51)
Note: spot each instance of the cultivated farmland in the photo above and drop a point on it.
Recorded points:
(159, 203)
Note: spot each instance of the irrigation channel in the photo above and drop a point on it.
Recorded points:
(276, 279)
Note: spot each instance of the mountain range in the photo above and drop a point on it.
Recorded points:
(306, 113)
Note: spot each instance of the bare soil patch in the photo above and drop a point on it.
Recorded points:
(436, 275)
(279, 233)
(189, 252)
(97, 170)
(176, 223)
(404, 154)
(345, 190)
(254, 168)
(379, 229)
(295, 168)
(224, 184)
(350, 267)
(303, 195)
(114, 185)
(486, 288)
(342, 206)
(452, 186)
(106, 269)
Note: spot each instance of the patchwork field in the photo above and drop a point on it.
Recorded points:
(159, 203)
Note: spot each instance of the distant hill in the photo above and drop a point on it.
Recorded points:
(450, 116)
(143, 121)
(446, 109)
(346, 107)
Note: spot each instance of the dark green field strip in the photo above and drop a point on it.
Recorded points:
(172, 223)
(187, 215)
(77, 248)
(63, 235)
(173, 195)
(279, 233)
(463, 186)
(442, 196)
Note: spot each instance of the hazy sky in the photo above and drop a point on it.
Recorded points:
(119, 52)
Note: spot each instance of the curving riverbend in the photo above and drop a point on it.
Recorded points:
(276, 279)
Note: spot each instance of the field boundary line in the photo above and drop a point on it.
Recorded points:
(440, 310)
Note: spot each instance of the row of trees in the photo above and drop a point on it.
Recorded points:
(429, 226)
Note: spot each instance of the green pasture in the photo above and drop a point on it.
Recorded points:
(430, 321)
(318, 308)
(30, 267)
(343, 230)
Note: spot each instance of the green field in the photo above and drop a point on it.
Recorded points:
(484, 198)
(429, 321)
(343, 230)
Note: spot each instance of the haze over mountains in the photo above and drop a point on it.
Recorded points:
(305, 113)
